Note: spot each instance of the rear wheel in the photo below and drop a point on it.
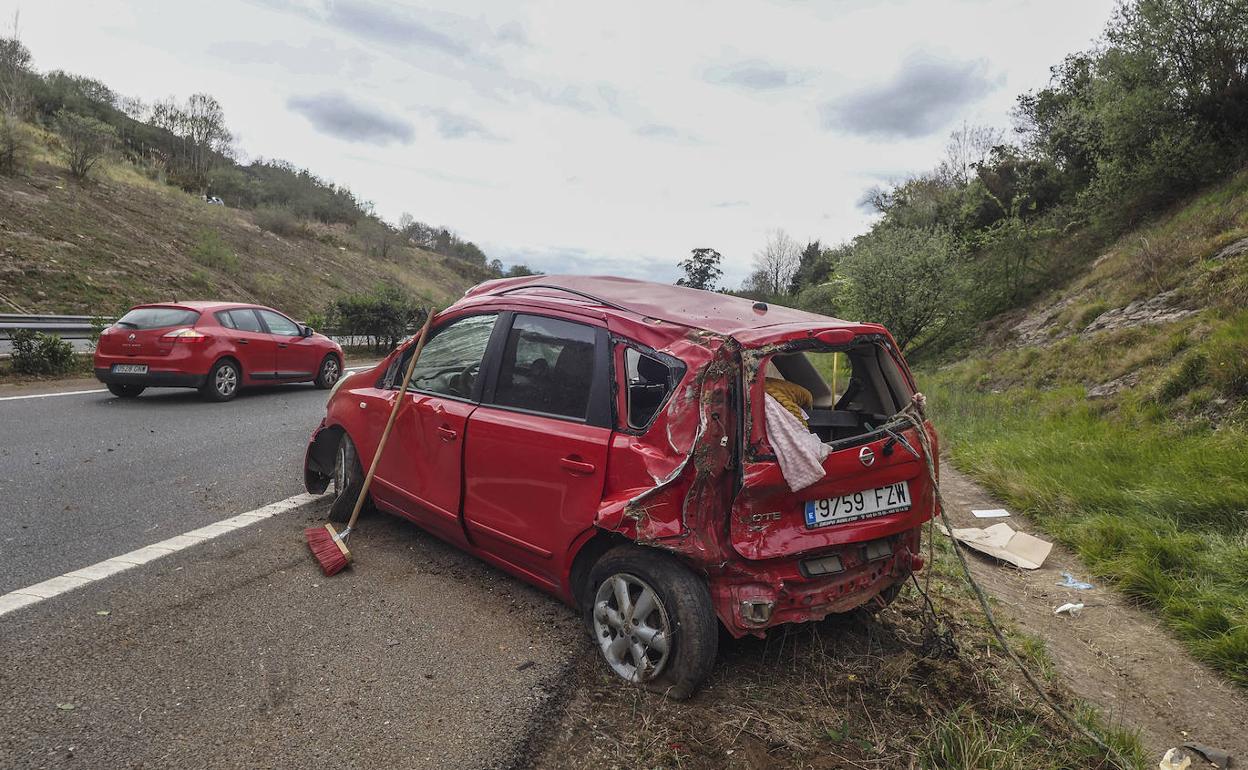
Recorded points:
(125, 391)
(652, 620)
(330, 371)
(223, 381)
(348, 480)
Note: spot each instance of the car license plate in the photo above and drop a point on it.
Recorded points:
(129, 368)
(855, 506)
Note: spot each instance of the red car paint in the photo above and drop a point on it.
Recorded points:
(274, 349)
(542, 496)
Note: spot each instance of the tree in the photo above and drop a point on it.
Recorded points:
(203, 138)
(809, 265)
(516, 271)
(13, 145)
(907, 279)
(775, 264)
(968, 149)
(702, 269)
(15, 76)
(86, 141)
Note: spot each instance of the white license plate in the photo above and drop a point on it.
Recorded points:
(855, 506)
(129, 368)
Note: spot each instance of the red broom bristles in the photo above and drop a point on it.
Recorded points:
(328, 551)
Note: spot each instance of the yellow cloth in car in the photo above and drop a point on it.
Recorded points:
(793, 397)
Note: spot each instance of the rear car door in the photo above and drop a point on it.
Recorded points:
(535, 460)
(297, 356)
(254, 347)
(420, 473)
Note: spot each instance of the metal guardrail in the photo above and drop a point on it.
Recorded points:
(70, 327)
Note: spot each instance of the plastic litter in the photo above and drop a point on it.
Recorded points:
(1069, 608)
(1174, 760)
(1214, 756)
(1069, 581)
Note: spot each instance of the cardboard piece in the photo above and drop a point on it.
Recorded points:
(991, 513)
(1004, 543)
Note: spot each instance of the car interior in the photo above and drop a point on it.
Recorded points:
(869, 391)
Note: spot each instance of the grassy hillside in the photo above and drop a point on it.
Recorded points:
(1114, 410)
(121, 238)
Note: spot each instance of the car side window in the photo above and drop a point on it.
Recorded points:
(451, 360)
(279, 324)
(245, 320)
(649, 381)
(547, 366)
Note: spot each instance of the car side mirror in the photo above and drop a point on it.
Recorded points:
(306, 331)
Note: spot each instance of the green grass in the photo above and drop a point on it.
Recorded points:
(1159, 505)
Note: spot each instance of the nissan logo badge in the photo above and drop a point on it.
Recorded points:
(866, 456)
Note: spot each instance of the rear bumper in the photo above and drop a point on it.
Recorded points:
(153, 379)
(751, 597)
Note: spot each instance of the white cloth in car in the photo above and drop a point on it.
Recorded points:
(799, 452)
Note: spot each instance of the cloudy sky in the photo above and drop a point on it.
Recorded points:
(585, 136)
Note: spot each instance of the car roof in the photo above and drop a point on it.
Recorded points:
(693, 308)
(202, 305)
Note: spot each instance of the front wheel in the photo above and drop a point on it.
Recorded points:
(652, 620)
(329, 372)
(125, 391)
(222, 383)
(348, 480)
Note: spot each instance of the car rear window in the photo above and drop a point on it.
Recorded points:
(158, 317)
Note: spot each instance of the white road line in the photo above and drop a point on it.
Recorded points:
(51, 395)
(23, 597)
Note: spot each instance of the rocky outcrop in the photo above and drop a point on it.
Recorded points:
(1158, 309)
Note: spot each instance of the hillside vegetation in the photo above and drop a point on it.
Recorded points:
(107, 201)
(121, 239)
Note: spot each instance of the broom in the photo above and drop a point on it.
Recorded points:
(330, 547)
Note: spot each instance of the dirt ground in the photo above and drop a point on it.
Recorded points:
(861, 691)
(1113, 654)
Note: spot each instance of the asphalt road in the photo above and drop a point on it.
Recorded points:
(237, 652)
(84, 478)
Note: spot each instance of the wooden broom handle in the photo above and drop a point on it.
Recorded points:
(394, 413)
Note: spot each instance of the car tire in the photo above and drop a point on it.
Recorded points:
(223, 381)
(347, 480)
(680, 612)
(885, 597)
(125, 391)
(329, 372)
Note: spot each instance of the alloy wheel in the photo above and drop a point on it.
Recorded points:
(226, 380)
(632, 627)
(330, 371)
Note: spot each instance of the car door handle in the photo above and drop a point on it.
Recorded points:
(576, 465)
(447, 433)
(283, 345)
(241, 341)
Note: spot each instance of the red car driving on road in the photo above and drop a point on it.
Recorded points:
(623, 445)
(217, 347)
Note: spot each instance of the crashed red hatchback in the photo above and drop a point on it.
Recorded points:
(665, 459)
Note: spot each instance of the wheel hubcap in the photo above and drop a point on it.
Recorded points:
(340, 470)
(632, 627)
(227, 380)
(330, 372)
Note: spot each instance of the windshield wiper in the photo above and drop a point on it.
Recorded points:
(895, 438)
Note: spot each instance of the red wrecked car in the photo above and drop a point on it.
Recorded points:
(663, 458)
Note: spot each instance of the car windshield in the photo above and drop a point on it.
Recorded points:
(157, 317)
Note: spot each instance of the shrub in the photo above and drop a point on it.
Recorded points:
(210, 250)
(86, 141)
(384, 316)
(14, 146)
(38, 353)
(280, 220)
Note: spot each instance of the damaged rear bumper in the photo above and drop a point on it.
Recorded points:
(750, 598)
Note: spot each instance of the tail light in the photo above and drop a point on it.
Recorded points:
(188, 336)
